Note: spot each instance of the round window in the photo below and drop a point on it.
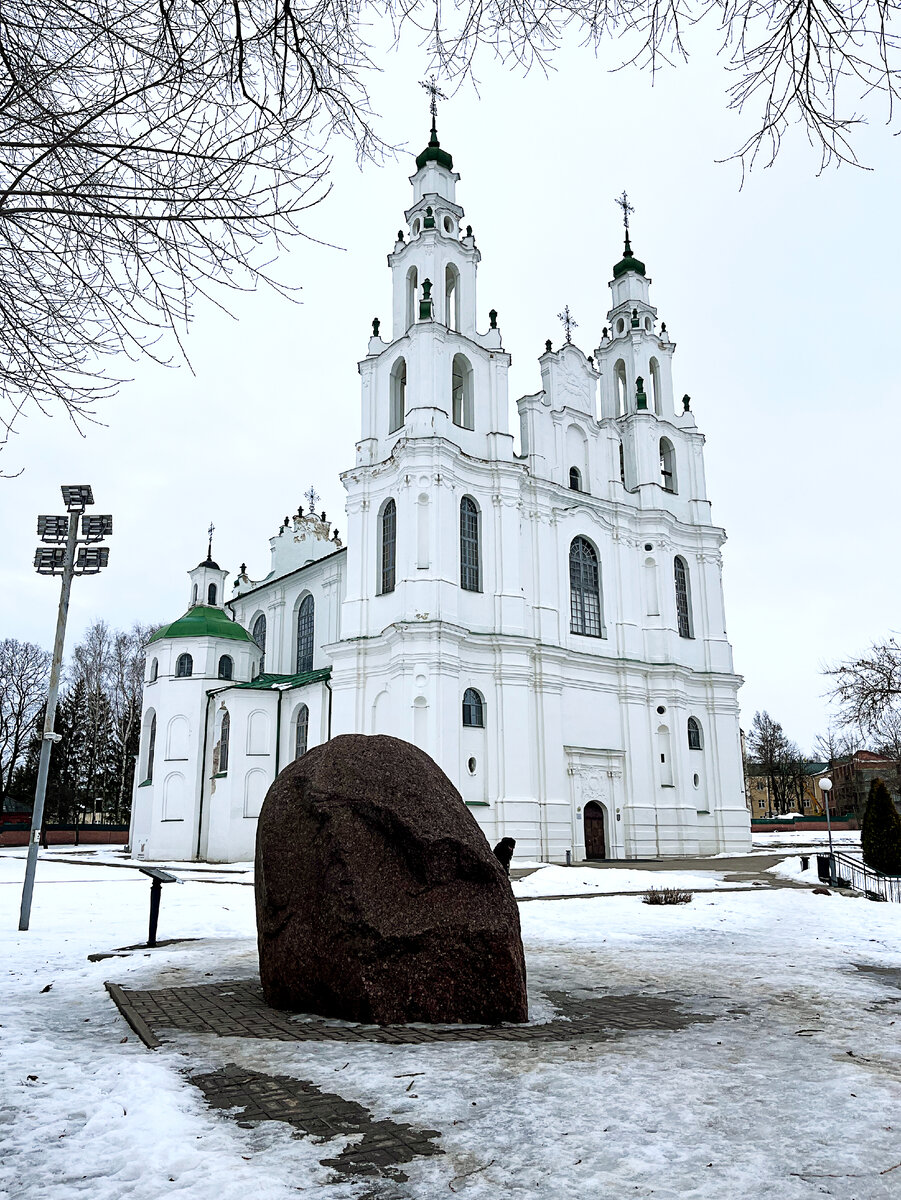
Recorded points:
(648, 546)
(472, 766)
(661, 708)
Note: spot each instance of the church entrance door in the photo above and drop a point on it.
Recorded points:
(595, 845)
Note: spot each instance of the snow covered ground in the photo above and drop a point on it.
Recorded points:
(794, 1093)
(587, 881)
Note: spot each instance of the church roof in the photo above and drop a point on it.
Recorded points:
(204, 621)
(279, 681)
(628, 262)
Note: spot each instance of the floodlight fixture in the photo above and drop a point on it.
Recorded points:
(77, 496)
(49, 560)
(94, 527)
(91, 559)
(53, 529)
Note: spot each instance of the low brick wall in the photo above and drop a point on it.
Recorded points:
(812, 826)
(64, 835)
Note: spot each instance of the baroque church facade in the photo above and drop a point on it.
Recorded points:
(546, 622)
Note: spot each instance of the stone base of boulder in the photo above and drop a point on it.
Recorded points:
(378, 897)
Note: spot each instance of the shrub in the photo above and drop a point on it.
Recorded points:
(666, 896)
(880, 833)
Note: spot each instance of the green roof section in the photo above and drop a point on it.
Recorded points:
(628, 262)
(203, 621)
(281, 681)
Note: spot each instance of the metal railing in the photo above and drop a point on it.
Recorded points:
(844, 870)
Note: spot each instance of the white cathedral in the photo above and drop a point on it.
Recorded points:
(546, 623)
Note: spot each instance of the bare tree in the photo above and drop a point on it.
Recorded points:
(779, 760)
(148, 148)
(867, 691)
(24, 676)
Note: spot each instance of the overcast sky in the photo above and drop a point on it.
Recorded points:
(781, 296)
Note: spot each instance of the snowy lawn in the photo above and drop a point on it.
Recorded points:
(796, 1094)
(586, 881)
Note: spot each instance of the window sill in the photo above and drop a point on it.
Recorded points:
(477, 804)
(146, 783)
(220, 775)
(172, 821)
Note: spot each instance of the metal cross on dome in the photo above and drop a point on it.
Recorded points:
(431, 86)
(209, 548)
(623, 202)
(569, 324)
(313, 497)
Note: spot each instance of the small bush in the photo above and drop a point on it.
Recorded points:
(880, 834)
(666, 896)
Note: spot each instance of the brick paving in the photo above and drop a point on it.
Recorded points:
(259, 1097)
(237, 1009)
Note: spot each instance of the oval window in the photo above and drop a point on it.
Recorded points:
(472, 766)
(620, 325)
(697, 780)
(448, 225)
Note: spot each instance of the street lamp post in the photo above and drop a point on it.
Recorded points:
(79, 556)
(825, 785)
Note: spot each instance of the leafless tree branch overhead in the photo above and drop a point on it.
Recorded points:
(148, 148)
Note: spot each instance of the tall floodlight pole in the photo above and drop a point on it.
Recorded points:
(66, 561)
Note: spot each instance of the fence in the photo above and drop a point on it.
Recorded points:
(848, 871)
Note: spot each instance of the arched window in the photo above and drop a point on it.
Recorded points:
(619, 384)
(211, 594)
(226, 667)
(258, 633)
(305, 616)
(184, 666)
(683, 597)
(194, 594)
(461, 390)
(154, 671)
(694, 734)
(412, 286)
(622, 465)
(667, 465)
(301, 731)
(452, 297)
(151, 749)
(584, 589)
(397, 403)
(224, 734)
(470, 575)
(575, 479)
(388, 542)
(473, 709)
(656, 394)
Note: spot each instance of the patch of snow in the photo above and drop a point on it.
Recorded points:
(551, 880)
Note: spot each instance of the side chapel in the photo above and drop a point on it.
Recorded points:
(547, 622)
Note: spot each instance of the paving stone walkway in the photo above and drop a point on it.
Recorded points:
(323, 1115)
(237, 1009)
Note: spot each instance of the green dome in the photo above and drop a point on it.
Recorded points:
(628, 262)
(434, 153)
(204, 621)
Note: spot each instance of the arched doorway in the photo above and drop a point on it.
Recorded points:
(595, 843)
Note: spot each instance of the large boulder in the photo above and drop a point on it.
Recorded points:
(378, 897)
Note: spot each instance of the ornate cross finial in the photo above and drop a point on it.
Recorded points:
(431, 86)
(623, 202)
(313, 497)
(569, 324)
(209, 547)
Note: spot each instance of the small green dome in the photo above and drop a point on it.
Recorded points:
(628, 262)
(434, 153)
(204, 621)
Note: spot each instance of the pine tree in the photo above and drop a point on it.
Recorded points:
(880, 834)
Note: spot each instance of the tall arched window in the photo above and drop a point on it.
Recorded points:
(194, 594)
(184, 666)
(211, 594)
(575, 479)
(619, 385)
(473, 709)
(683, 597)
(258, 633)
(305, 617)
(224, 734)
(452, 297)
(412, 286)
(154, 671)
(622, 465)
(397, 404)
(656, 394)
(226, 667)
(667, 465)
(461, 390)
(301, 731)
(151, 749)
(694, 734)
(388, 542)
(584, 589)
(470, 575)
